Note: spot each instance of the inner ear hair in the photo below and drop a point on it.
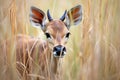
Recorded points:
(37, 18)
(74, 15)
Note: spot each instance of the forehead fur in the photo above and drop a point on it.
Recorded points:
(57, 26)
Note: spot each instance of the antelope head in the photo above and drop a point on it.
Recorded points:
(56, 30)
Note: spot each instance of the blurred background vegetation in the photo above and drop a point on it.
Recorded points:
(93, 48)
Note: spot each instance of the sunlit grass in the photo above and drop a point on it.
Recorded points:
(93, 50)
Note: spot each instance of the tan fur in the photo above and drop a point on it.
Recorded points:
(58, 30)
(32, 52)
(33, 57)
(35, 53)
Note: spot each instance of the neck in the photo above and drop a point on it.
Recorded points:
(54, 63)
(55, 68)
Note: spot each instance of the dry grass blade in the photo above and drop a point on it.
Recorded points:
(92, 51)
(35, 75)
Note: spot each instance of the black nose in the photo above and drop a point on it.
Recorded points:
(59, 50)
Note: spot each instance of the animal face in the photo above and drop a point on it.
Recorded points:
(57, 35)
(56, 31)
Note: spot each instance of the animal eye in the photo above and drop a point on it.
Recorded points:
(67, 35)
(47, 35)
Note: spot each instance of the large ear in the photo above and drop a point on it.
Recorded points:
(37, 18)
(74, 15)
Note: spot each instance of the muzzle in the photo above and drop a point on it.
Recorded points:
(59, 51)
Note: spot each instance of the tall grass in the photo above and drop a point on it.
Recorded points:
(94, 46)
